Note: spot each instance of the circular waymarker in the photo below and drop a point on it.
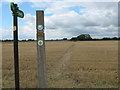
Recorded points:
(40, 27)
(14, 28)
(40, 42)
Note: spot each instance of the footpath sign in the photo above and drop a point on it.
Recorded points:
(16, 13)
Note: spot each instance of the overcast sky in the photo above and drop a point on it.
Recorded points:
(63, 19)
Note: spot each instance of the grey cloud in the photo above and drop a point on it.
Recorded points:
(96, 21)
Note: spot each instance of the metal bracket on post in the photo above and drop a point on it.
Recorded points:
(41, 49)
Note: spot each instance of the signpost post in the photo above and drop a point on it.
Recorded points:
(16, 13)
(41, 48)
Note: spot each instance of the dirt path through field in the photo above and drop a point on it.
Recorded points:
(58, 73)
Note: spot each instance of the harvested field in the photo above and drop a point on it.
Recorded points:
(83, 64)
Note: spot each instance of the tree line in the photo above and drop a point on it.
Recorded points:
(82, 37)
(87, 37)
(9, 40)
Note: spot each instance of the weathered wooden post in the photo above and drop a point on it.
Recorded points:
(41, 49)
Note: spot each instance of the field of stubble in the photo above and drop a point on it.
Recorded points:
(86, 64)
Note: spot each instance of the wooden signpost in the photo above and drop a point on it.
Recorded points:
(41, 49)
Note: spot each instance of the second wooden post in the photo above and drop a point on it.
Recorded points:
(41, 57)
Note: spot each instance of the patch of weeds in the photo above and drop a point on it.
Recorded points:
(54, 78)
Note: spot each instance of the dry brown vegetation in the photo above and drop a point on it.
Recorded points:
(86, 64)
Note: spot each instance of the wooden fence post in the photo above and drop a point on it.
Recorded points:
(41, 49)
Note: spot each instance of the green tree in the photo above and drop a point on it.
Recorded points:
(84, 37)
